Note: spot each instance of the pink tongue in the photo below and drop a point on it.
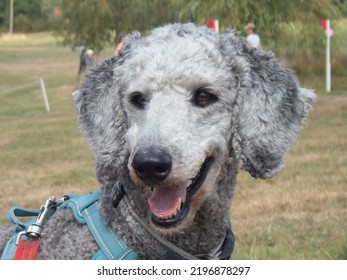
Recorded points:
(164, 200)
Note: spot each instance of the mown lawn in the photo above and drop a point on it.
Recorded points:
(299, 214)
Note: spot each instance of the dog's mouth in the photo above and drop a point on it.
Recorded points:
(171, 205)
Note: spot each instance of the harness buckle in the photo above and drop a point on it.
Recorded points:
(34, 231)
(117, 194)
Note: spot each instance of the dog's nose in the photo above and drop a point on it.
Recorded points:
(152, 165)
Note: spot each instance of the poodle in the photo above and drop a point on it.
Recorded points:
(169, 120)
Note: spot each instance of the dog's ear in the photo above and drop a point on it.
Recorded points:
(101, 118)
(269, 109)
(101, 115)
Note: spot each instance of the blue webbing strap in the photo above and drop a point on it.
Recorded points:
(21, 212)
(111, 245)
(77, 203)
(10, 249)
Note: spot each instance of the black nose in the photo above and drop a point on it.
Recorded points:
(152, 165)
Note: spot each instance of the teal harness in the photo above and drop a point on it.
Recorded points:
(86, 211)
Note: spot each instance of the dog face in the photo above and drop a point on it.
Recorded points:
(178, 111)
(177, 105)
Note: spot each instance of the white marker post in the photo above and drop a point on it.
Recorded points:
(328, 64)
(44, 94)
(325, 24)
(216, 25)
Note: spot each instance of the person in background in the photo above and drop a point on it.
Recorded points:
(253, 39)
(87, 62)
(89, 59)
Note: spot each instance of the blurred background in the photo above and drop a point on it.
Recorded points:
(299, 214)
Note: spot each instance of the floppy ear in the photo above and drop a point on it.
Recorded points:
(269, 110)
(101, 118)
(101, 115)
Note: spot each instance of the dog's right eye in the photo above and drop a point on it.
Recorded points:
(138, 100)
(202, 98)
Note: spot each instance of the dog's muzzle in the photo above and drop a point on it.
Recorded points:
(171, 204)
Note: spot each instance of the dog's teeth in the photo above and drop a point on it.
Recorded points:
(179, 204)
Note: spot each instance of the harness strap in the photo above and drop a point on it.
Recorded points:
(228, 245)
(78, 203)
(111, 245)
(15, 212)
(86, 211)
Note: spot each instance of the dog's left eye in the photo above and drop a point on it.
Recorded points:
(138, 100)
(203, 98)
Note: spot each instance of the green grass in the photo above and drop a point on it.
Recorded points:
(299, 214)
(41, 153)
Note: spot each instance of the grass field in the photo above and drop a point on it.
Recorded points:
(299, 214)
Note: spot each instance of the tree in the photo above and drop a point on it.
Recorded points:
(28, 15)
(95, 22)
(87, 22)
(3, 15)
